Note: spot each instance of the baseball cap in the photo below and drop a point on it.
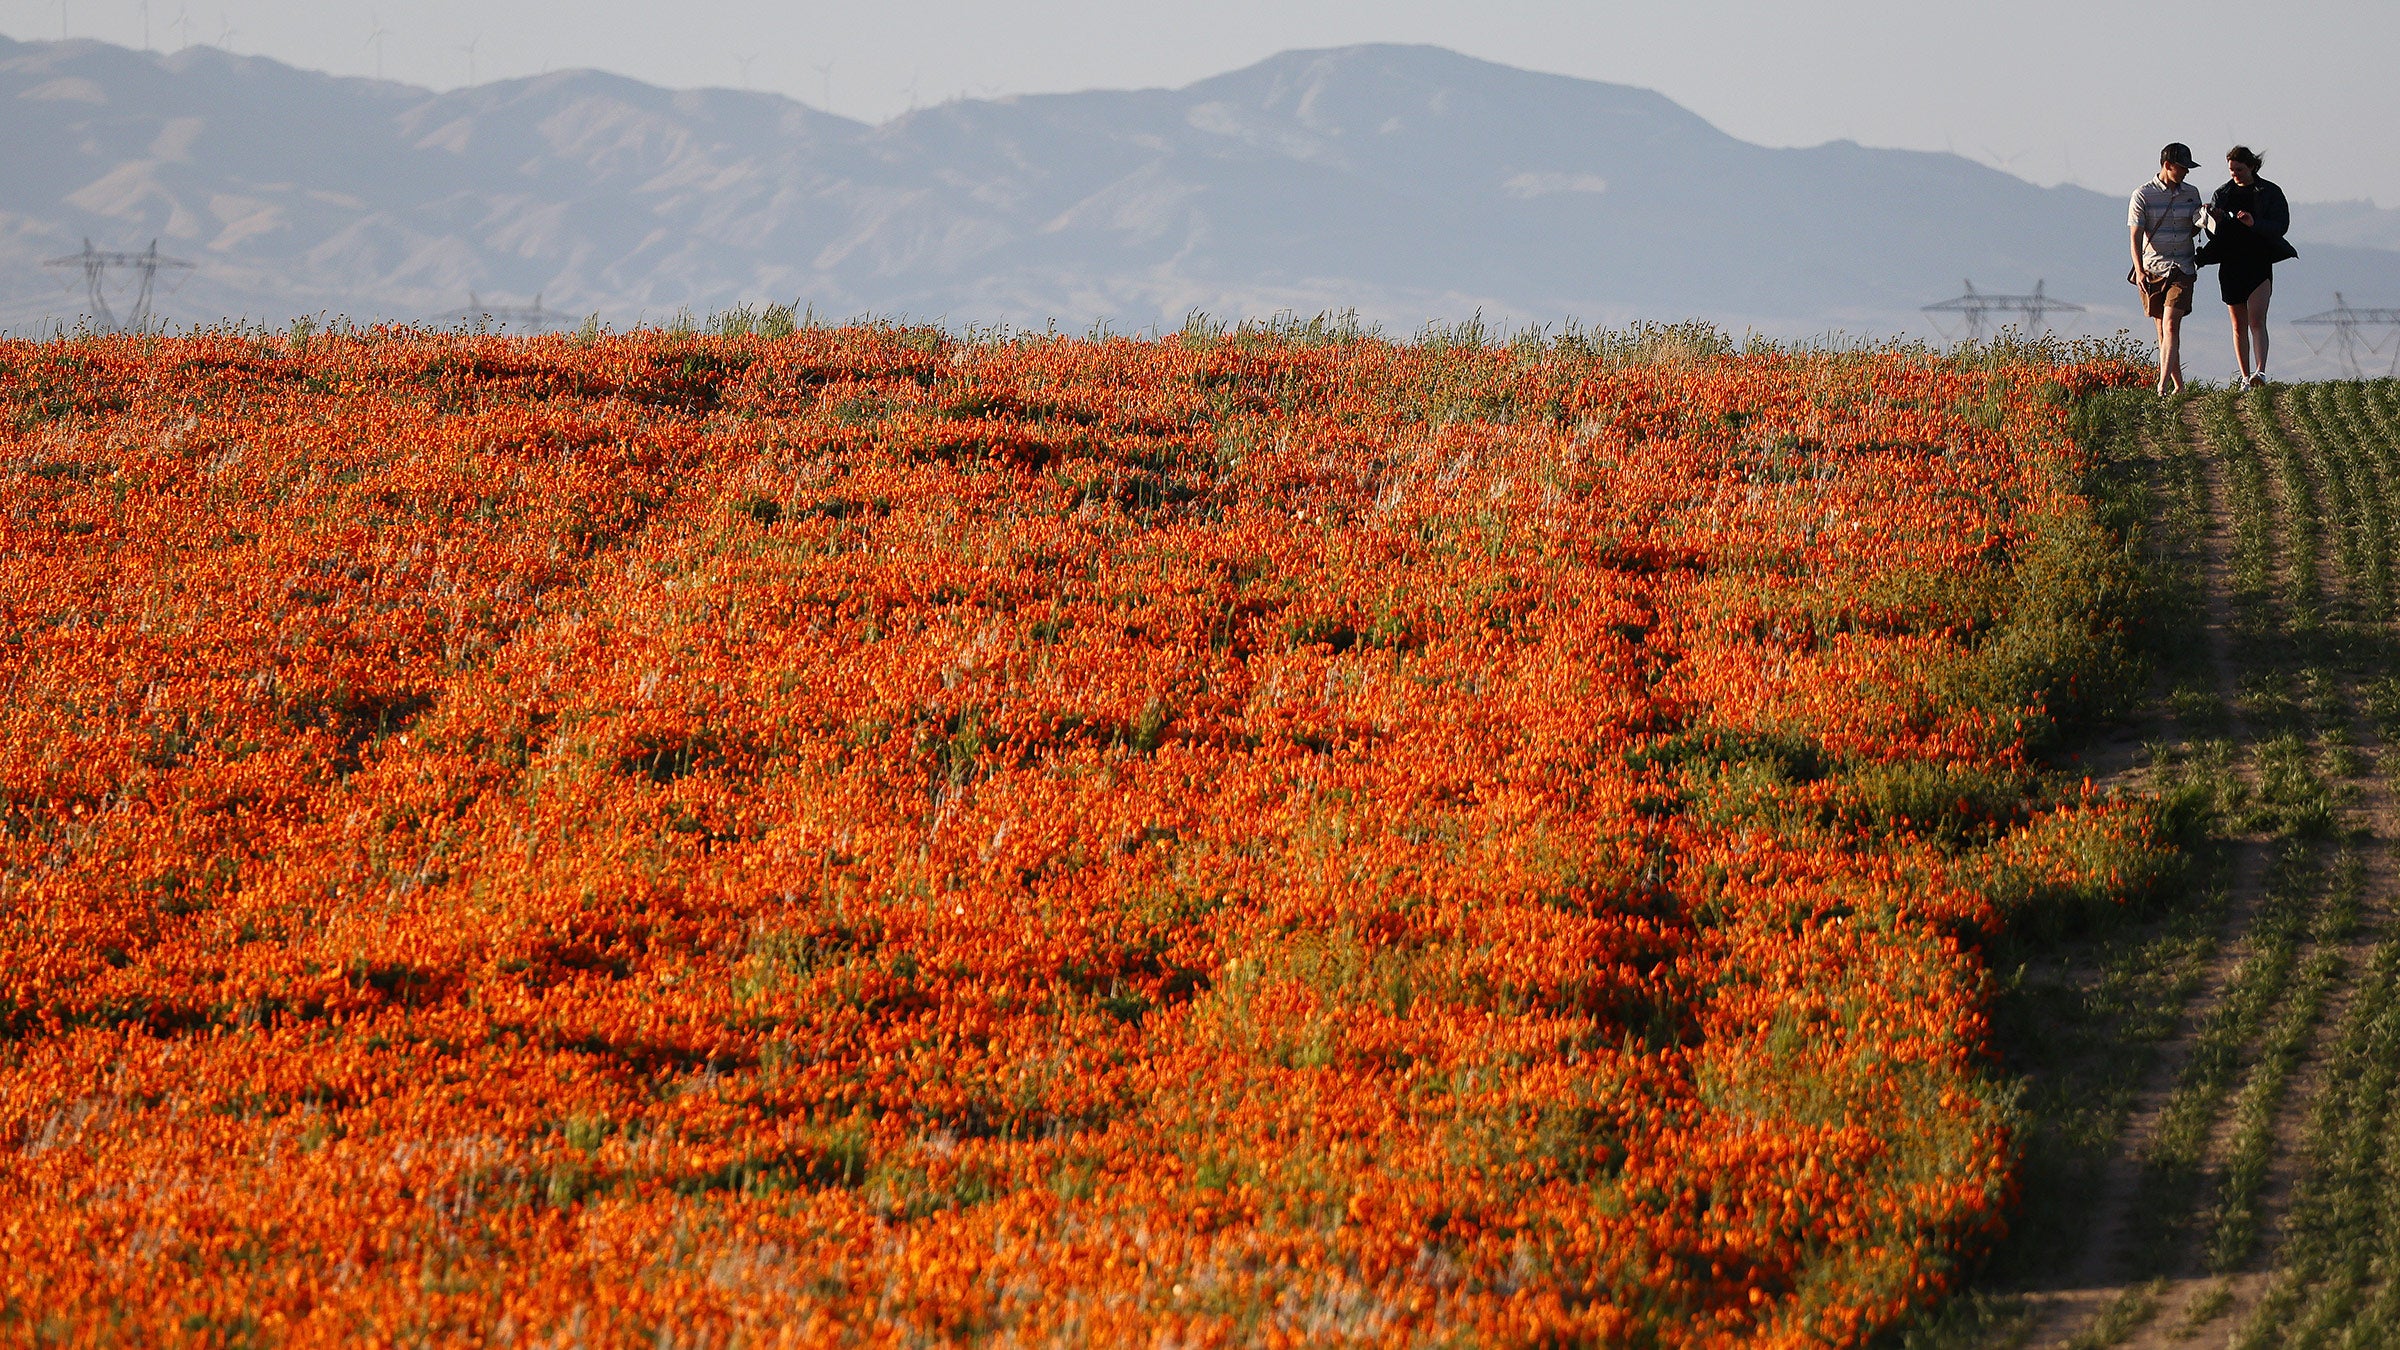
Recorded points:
(2178, 153)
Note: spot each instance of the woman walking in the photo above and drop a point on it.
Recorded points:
(2248, 218)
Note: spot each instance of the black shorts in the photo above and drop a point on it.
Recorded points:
(2236, 281)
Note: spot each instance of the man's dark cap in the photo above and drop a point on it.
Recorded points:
(2178, 153)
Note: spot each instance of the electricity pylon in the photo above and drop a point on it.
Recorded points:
(96, 264)
(1978, 307)
(2348, 326)
(530, 318)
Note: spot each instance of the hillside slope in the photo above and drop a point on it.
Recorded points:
(1405, 182)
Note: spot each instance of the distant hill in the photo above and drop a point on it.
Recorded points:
(2363, 224)
(1405, 182)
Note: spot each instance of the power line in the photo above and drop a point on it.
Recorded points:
(97, 263)
(2349, 327)
(1979, 307)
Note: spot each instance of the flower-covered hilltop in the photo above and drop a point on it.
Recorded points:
(862, 835)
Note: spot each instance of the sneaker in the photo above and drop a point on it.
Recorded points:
(2258, 380)
(2241, 380)
(2164, 387)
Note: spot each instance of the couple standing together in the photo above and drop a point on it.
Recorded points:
(2245, 222)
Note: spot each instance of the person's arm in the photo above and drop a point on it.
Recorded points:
(2133, 218)
(2274, 213)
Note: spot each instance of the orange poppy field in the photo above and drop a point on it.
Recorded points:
(877, 837)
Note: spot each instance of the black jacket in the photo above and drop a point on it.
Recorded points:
(2230, 241)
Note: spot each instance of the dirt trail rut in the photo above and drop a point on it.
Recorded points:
(2287, 654)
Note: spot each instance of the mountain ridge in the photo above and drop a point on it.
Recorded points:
(1407, 183)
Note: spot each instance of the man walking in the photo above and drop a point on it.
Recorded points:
(2165, 219)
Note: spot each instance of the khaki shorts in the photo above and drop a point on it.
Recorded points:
(2171, 293)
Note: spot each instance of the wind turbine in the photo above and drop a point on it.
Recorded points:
(469, 48)
(825, 69)
(376, 33)
(743, 64)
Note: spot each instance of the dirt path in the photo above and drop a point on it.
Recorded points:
(2285, 663)
(2112, 1274)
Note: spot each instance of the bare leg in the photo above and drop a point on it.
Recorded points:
(2241, 336)
(2166, 347)
(2170, 350)
(2258, 322)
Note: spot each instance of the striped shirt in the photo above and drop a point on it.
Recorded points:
(2169, 219)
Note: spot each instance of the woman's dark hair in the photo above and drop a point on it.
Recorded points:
(2245, 155)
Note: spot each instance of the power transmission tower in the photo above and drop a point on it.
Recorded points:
(529, 318)
(2348, 336)
(1978, 308)
(97, 263)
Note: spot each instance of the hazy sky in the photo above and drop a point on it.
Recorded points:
(2052, 90)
